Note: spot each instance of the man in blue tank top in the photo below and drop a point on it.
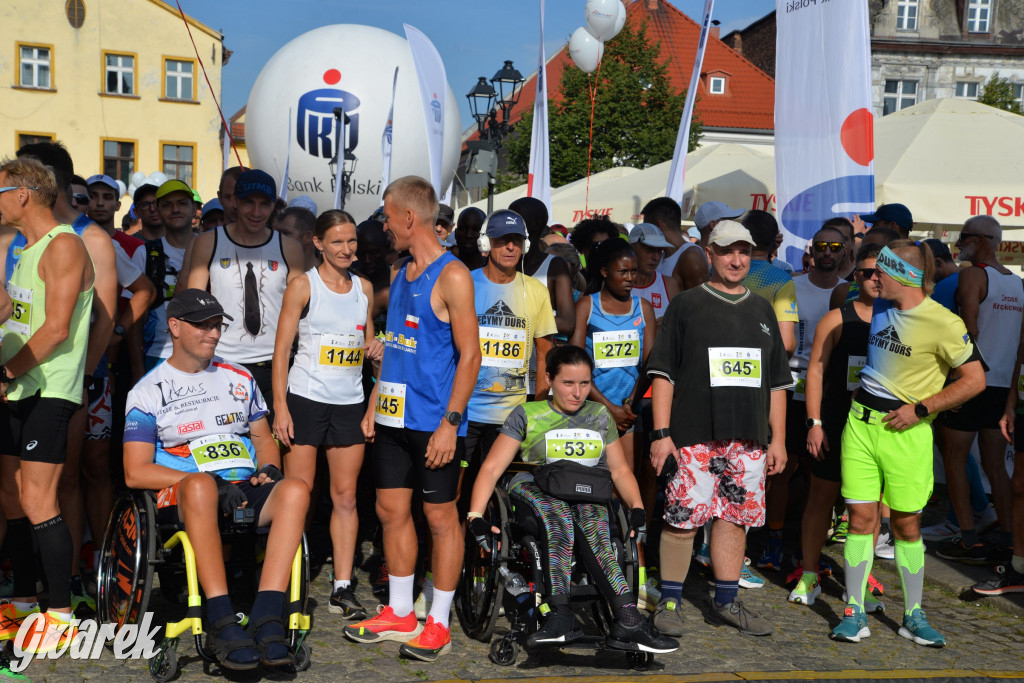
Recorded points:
(431, 362)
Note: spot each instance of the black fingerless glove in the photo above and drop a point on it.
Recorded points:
(481, 530)
(638, 521)
(272, 472)
(229, 495)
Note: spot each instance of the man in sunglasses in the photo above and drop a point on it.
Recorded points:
(990, 299)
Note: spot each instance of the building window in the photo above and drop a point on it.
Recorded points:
(967, 90)
(899, 95)
(906, 15)
(119, 159)
(178, 160)
(75, 12)
(979, 13)
(120, 74)
(33, 138)
(717, 85)
(1018, 94)
(35, 67)
(178, 79)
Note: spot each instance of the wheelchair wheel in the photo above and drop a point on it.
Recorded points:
(163, 666)
(125, 573)
(481, 585)
(639, 661)
(504, 651)
(303, 658)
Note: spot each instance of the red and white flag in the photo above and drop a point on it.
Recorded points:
(539, 179)
(412, 321)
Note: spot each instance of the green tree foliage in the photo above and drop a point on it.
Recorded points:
(998, 93)
(636, 115)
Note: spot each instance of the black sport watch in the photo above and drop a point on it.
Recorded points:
(658, 434)
(921, 410)
(454, 418)
(119, 330)
(812, 422)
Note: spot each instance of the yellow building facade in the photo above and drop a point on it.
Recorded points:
(118, 82)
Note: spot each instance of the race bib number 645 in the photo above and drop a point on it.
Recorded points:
(734, 366)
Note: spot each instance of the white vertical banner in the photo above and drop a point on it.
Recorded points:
(283, 192)
(446, 198)
(677, 170)
(433, 89)
(227, 150)
(824, 127)
(339, 176)
(386, 141)
(539, 178)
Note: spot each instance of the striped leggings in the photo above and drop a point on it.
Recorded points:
(562, 523)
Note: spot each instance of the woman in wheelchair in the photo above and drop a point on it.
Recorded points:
(571, 440)
(196, 432)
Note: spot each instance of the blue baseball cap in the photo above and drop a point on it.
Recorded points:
(894, 213)
(212, 205)
(255, 181)
(505, 222)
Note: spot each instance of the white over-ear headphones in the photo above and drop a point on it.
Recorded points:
(483, 242)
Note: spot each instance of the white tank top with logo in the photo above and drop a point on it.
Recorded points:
(328, 365)
(249, 282)
(999, 320)
(656, 293)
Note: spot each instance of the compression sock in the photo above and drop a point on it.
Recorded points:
(725, 592)
(23, 562)
(910, 564)
(220, 607)
(441, 606)
(270, 603)
(672, 591)
(857, 556)
(54, 540)
(676, 553)
(628, 615)
(400, 594)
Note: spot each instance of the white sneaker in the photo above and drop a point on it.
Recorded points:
(984, 522)
(421, 606)
(943, 531)
(885, 548)
(648, 596)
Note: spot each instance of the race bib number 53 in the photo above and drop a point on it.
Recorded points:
(734, 366)
(390, 404)
(580, 445)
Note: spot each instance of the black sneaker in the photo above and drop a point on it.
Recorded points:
(379, 579)
(343, 602)
(560, 628)
(640, 638)
(958, 552)
(1006, 580)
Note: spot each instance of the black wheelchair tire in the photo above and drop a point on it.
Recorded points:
(139, 510)
(478, 618)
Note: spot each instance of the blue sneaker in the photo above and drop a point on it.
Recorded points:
(771, 558)
(703, 555)
(916, 628)
(749, 579)
(854, 626)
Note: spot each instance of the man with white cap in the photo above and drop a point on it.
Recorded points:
(712, 422)
(650, 246)
(104, 200)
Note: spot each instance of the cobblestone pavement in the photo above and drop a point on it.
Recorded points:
(981, 639)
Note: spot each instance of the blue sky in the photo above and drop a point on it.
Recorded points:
(473, 37)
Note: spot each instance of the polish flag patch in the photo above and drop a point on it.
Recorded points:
(360, 328)
(412, 321)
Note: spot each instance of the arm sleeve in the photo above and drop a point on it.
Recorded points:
(515, 424)
(666, 355)
(784, 303)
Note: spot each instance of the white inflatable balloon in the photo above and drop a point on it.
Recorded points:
(121, 187)
(620, 21)
(352, 67)
(602, 15)
(157, 178)
(585, 50)
(131, 190)
(138, 178)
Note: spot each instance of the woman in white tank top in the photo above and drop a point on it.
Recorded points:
(320, 399)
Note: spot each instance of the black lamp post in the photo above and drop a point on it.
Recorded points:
(349, 160)
(484, 101)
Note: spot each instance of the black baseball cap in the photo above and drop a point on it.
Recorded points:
(445, 215)
(255, 181)
(195, 306)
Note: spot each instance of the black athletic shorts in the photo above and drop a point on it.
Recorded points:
(830, 468)
(480, 436)
(981, 412)
(167, 502)
(36, 429)
(263, 373)
(325, 424)
(399, 462)
(1018, 435)
(796, 427)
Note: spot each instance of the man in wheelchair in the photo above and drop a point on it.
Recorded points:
(196, 432)
(572, 440)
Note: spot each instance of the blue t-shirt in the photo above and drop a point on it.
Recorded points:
(945, 291)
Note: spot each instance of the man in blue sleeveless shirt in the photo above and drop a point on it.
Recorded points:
(431, 362)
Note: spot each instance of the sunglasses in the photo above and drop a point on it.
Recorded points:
(964, 236)
(833, 247)
(867, 273)
(81, 199)
(15, 187)
(208, 325)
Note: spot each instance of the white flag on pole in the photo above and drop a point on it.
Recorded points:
(677, 170)
(283, 193)
(824, 128)
(227, 149)
(386, 140)
(433, 90)
(539, 179)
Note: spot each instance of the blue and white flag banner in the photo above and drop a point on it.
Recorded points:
(386, 140)
(283, 193)
(677, 170)
(539, 179)
(433, 90)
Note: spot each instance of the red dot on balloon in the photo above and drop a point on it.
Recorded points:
(858, 136)
(332, 76)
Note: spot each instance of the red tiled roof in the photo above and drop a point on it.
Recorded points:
(749, 98)
(238, 129)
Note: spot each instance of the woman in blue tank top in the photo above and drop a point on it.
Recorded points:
(617, 330)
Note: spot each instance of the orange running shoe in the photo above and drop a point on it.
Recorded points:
(384, 626)
(875, 585)
(49, 633)
(434, 641)
(11, 619)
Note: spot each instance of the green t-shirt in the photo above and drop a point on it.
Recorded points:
(548, 435)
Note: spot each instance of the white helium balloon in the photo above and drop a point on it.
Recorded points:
(351, 67)
(138, 178)
(620, 21)
(131, 190)
(585, 50)
(157, 178)
(601, 16)
(121, 187)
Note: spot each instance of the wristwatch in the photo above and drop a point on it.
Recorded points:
(4, 377)
(812, 422)
(119, 330)
(921, 410)
(658, 434)
(454, 418)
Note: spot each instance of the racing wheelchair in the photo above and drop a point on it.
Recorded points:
(511, 580)
(136, 545)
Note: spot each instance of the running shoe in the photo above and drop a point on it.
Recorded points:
(771, 558)
(1006, 580)
(735, 614)
(49, 633)
(703, 555)
(871, 603)
(941, 532)
(11, 618)
(343, 602)
(976, 554)
(854, 626)
(824, 570)
(560, 628)
(885, 548)
(380, 579)
(668, 618)
(841, 528)
(748, 579)
(434, 641)
(642, 637)
(807, 589)
(875, 585)
(916, 628)
(6, 673)
(82, 604)
(384, 626)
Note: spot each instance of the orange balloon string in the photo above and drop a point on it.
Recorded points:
(592, 89)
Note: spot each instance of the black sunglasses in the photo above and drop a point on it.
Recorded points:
(964, 236)
(867, 273)
(208, 325)
(81, 199)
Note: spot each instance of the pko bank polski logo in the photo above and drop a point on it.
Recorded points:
(314, 124)
(131, 641)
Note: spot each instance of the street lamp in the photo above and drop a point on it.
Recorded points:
(341, 121)
(481, 99)
(507, 81)
(484, 102)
